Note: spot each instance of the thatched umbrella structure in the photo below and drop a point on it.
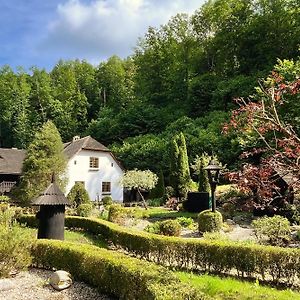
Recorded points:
(51, 216)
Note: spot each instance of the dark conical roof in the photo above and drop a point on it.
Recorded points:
(51, 196)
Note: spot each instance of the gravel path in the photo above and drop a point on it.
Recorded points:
(33, 285)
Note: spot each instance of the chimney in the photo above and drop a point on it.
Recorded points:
(76, 138)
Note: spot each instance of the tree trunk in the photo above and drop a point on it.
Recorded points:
(143, 199)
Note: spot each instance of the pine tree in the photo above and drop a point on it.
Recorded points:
(44, 157)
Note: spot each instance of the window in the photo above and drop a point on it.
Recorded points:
(94, 162)
(106, 187)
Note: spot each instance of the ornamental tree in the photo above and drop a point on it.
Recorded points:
(139, 180)
(268, 125)
(44, 157)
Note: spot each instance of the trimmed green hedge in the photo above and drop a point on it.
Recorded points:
(113, 273)
(281, 264)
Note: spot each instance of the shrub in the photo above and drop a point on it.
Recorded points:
(107, 200)
(251, 260)
(170, 227)
(155, 202)
(112, 272)
(185, 222)
(15, 245)
(167, 227)
(4, 198)
(78, 195)
(84, 210)
(209, 221)
(274, 231)
(153, 228)
(116, 213)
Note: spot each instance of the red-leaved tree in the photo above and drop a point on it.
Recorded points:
(269, 119)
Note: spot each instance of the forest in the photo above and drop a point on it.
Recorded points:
(181, 77)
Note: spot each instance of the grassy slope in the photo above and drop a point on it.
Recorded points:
(229, 289)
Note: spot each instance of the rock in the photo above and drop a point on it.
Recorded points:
(61, 280)
(6, 285)
(230, 222)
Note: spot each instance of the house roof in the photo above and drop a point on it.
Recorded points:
(86, 143)
(11, 161)
(51, 196)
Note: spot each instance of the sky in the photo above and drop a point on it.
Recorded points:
(40, 32)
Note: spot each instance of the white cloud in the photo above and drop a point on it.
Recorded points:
(98, 29)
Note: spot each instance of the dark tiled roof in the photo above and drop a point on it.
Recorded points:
(86, 143)
(11, 161)
(51, 196)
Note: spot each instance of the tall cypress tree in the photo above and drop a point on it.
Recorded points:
(174, 154)
(180, 178)
(184, 177)
(44, 157)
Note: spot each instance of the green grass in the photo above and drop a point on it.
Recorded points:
(164, 213)
(232, 289)
(76, 237)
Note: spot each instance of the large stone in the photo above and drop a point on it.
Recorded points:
(6, 285)
(61, 280)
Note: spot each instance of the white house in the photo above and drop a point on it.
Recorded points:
(95, 166)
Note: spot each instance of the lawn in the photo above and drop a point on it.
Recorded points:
(228, 289)
(77, 237)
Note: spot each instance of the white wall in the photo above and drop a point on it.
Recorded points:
(78, 169)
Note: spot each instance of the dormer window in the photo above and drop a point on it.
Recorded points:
(94, 163)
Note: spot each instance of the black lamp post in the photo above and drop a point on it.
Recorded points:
(213, 171)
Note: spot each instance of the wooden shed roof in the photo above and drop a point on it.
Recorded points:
(51, 196)
(11, 161)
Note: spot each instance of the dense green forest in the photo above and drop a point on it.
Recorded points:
(181, 77)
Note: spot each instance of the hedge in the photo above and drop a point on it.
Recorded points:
(270, 263)
(113, 273)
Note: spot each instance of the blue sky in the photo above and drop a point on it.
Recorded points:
(40, 32)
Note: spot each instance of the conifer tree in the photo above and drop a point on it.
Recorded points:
(159, 189)
(180, 178)
(184, 177)
(44, 157)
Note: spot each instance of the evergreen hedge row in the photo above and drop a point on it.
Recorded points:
(113, 273)
(276, 264)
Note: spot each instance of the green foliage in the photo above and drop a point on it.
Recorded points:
(4, 199)
(78, 195)
(180, 178)
(15, 245)
(136, 179)
(209, 221)
(159, 189)
(251, 260)
(116, 213)
(185, 221)
(155, 202)
(170, 227)
(153, 228)
(107, 200)
(166, 227)
(84, 209)
(200, 163)
(44, 158)
(272, 230)
(113, 273)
